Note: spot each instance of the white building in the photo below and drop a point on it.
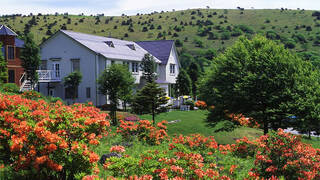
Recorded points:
(68, 51)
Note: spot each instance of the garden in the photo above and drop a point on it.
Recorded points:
(54, 141)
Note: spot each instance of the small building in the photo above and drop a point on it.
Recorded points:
(68, 51)
(11, 47)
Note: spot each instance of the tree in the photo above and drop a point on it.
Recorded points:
(3, 68)
(183, 83)
(30, 56)
(114, 83)
(256, 78)
(149, 67)
(72, 82)
(194, 73)
(149, 99)
(307, 101)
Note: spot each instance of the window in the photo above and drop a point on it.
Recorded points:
(10, 53)
(43, 65)
(110, 43)
(126, 63)
(135, 67)
(11, 76)
(69, 93)
(172, 68)
(75, 65)
(88, 92)
(112, 62)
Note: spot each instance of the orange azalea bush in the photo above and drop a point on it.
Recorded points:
(283, 154)
(201, 104)
(242, 120)
(188, 157)
(144, 130)
(49, 140)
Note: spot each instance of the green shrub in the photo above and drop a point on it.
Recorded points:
(224, 126)
(10, 88)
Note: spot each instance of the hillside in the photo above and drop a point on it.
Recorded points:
(195, 29)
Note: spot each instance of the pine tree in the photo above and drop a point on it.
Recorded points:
(3, 68)
(149, 99)
(149, 67)
(30, 56)
(183, 83)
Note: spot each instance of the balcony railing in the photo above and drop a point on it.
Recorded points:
(49, 75)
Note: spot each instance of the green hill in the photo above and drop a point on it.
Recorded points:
(194, 29)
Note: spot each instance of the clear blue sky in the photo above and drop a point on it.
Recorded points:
(131, 7)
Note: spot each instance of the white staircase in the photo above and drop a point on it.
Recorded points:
(25, 84)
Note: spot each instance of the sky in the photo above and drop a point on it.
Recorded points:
(132, 7)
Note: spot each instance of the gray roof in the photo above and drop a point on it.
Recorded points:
(161, 49)
(4, 30)
(109, 47)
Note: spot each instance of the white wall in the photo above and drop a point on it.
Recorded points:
(173, 59)
(61, 46)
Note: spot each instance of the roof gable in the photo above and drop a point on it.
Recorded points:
(160, 49)
(4, 30)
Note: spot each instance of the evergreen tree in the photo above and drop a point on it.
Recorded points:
(194, 73)
(3, 68)
(183, 83)
(30, 56)
(149, 67)
(72, 81)
(114, 83)
(149, 99)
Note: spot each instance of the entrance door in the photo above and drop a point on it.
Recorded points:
(56, 70)
(11, 76)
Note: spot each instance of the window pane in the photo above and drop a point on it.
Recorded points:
(88, 92)
(10, 52)
(75, 65)
(11, 76)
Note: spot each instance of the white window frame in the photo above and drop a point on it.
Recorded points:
(172, 69)
(135, 67)
(72, 61)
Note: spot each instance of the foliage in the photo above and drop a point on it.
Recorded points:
(283, 154)
(183, 83)
(30, 56)
(144, 131)
(33, 95)
(3, 68)
(49, 141)
(254, 77)
(194, 73)
(201, 104)
(149, 67)
(72, 81)
(10, 88)
(149, 100)
(112, 83)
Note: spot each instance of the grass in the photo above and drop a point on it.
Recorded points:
(192, 122)
(314, 141)
(284, 23)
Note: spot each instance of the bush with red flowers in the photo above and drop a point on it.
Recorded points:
(201, 104)
(49, 141)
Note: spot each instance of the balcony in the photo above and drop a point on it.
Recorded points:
(49, 76)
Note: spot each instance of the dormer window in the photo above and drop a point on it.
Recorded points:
(110, 43)
(131, 46)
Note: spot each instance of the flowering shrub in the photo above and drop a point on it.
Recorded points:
(201, 104)
(283, 154)
(189, 157)
(34, 95)
(117, 149)
(144, 131)
(242, 120)
(49, 140)
(244, 148)
(132, 118)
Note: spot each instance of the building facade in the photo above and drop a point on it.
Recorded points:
(11, 47)
(68, 51)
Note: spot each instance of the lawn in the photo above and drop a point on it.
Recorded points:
(192, 122)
